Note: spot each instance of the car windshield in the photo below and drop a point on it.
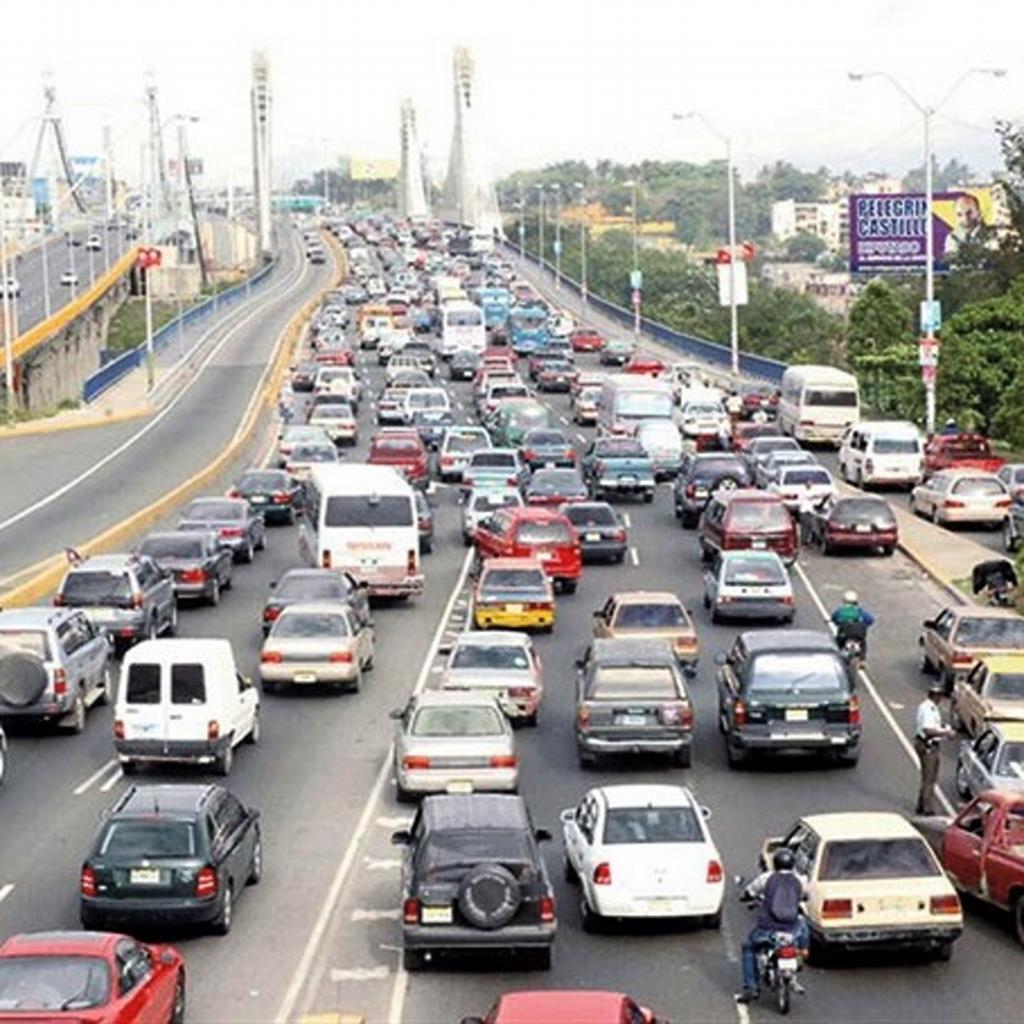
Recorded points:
(150, 839)
(797, 674)
(313, 453)
(334, 411)
(491, 656)
(493, 460)
(979, 487)
(31, 641)
(806, 477)
(556, 481)
(848, 859)
(741, 570)
(262, 481)
(897, 446)
(406, 446)
(634, 682)
(619, 448)
(1002, 633)
(311, 588)
(591, 515)
(544, 437)
(427, 400)
(173, 546)
(513, 579)
(457, 721)
(53, 983)
(469, 318)
(551, 532)
(863, 510)
(714, 467)
(219, 510)
(369, 510)
(1005, 686)
(309, 626)
(1011, 760)
(652, 825)
(650, 615)
(486, 502)
(758, 515)
(466, 442)
(455, 850)
(94, 586)
(761, 447)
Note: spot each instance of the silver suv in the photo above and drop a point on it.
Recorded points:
(128, 597)
(53, 665)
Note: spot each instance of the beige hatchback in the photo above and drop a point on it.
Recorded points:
(953, 641)
(874, 882)
(961, 496)
(650, 614)
(993, 692)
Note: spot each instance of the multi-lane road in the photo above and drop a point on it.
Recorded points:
(321, 932)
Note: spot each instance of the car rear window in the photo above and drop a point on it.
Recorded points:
(797, 674)
(313, 453)
(634, 683)
(513, 579)
(149, 839)
(758, 515)
(555, 437)
(188, 684)
(450, 852)
(591, 515)
(544, 533)
(979, 632)
(357, 510)
(143, 684)
(556, 481)
(312, 588)
(309, 626)
(713, 467)
(491, 657)
(215, 510)
(627, 448)
(753, 571)
(978, 487)
(457, 721)
(653, 615)
(465, 442)
(830, 398)
(93, 586)
(853, 510)
(652, 825)
(55, 983)
(896, 446)
(262, 481)
(876, 858)
(806, 477)
(493, 460)
(396, 446)
(485, 501)
(177, 546)
(31, 641)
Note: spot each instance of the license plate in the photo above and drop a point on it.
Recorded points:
(630, 720)
(258, 499)
(758, 545)
(459, 786)
(436, 915)
(664, 905)
(630, 481)
(862, 528)
(514, 609)
(700, 492)
(787, 964)
(796, 714)
(305, 677)
(545, 556)
(144, 876)
(592, 537)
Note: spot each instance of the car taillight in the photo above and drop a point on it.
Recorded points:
(271, 657)
(787, 952)
(962, 658)
(673, 714)
(411, 911)
(547, 909)
(690, 490)
(583, 716)
(504, 761)
(447, 460)
(537, 606)
(853, 711)
(193, 576)
(1003, 503)
(410, 562)
(137, 600)
(60, 682)
(807, 423)
(325, 560)
(869, 466)
(714, 873)
(340, 657)
(520, 692)
(618, 534)
(512, 481)
(206, 883)
(232, 531)
(837, 908)
(786, 599)
(88, 882)
(234, 493)
(739, 713)
(603, 873)
(415, 763)
(529, 455)
(953, 503)
(118, 729)
(280, 498)
(270, 613)
(213, 729)
(946, 904)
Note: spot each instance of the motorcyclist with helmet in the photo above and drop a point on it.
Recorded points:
(852, 621)
(779, 893)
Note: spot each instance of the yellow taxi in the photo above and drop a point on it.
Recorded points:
(650, 614)
(514, 593)
(993, 691)
(874, 883)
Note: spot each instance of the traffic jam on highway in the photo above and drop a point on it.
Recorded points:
(638, 713)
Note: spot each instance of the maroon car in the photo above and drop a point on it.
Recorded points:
(586, 339)
(861, 523)
(404, 450)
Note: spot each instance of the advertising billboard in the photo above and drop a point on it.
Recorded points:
(363, 169)
(887, 231)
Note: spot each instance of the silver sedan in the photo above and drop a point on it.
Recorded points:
(453, 742)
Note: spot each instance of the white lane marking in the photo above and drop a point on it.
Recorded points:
(333, 895)
(401, 821)
(896, 705)
(156, 420)
(360, 974)
(6, 890)
(95, 777)
(382, 863)
(564, 420)
(112, 781)
(396, 1008)
(875, 696)
(743, 1013)
(627, 521)
(582, 437)
(634, 557)
(376, 915)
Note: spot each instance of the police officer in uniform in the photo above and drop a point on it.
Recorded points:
(928, 732)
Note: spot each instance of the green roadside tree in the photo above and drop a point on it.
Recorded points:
(804, 247)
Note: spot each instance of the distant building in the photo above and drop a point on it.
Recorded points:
(655, 234)
(829, 221)
(832, 290)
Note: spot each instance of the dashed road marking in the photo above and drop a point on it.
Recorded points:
(386, 821)
(376, 915)
(95, 777)
(112, 781)
(582, 437)
(628, 522)
(382, 864)
(360, 973)
(634, 557)
(6, 890)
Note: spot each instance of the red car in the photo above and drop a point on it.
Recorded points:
(960, 451)
(90, 978)
(575, 1006)
(744, 519)
(335, 355)
(534, 532)
(645, 363)
(586, 339)
(404, 450)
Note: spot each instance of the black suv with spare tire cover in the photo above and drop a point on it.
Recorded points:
(473, 880)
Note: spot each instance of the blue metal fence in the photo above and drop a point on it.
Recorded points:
(110, 373)
(700, 348)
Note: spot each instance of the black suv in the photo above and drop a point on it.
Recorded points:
(700, 476)
(171, 854)
(782, 691)
(473, 880)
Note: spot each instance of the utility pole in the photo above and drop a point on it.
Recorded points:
(8, 321)
(581, 188)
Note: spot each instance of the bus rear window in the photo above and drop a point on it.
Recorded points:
(830, 397)
(359, 510)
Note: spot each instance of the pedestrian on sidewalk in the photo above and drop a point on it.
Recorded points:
(929, 731)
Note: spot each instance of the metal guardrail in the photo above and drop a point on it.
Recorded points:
(709, 351)
(110, 373)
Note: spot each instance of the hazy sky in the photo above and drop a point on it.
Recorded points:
(555, 79)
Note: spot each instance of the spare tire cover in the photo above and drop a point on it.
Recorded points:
(489, 896)
(726, 483)
(23, 678)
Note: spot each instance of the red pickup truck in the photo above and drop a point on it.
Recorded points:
(982, 850)
(960, 451)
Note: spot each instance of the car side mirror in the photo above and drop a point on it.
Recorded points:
(705, 812)
(720, 659)
(929, 623)
(580, 663)
(403, 837)
(542, 835)
(396, 714)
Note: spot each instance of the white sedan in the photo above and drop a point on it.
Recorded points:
(803, 485)
(643, 851)
(961, 496)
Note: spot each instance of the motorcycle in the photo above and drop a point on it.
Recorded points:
(995, 581)
(852, 640)
(778, 961)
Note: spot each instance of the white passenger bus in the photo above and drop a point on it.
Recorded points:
(818, 403)
(362, 520)
(627, 400)
(462, 327)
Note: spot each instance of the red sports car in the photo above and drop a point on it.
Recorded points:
(646, 363)
(90, 978)
(586, 339)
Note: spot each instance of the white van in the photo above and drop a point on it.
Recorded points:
(338, 380)
(361, 519)
(882, 452)
(183, 701)
(462, 327)
(818, 403)
(627, 400)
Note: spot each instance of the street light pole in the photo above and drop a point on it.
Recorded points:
(540, 202)
(522, 228)
(7, 319)
(557, 189)
(927, 113)
(635, 275)
(583, 241)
